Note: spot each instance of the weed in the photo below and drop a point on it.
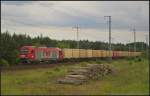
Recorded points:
(130, 63)
(56, 69)
(4, 62)
(49, 72)
(139, 59)
(83, 64)
(98, 62)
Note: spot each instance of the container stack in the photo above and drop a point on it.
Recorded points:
(78, 75)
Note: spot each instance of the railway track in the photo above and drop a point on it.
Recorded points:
(35, 66)
(43, 65)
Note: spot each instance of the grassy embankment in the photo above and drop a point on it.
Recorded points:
(132, 77)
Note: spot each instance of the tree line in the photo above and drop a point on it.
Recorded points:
(10, 45)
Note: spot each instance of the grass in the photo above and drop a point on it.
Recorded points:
(132, 77)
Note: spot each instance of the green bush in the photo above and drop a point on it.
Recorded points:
(101, 61)
(130, 62)
(17, 61)
(98, 62)
(137, 59)
(3, 62)
(83, 64)
(145, 54)
(49, 72)
(129, 58)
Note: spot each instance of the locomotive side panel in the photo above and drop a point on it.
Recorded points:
(54, 55)
(42, 54)
(38, 54)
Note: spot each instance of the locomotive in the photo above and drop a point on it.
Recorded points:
(30, 54)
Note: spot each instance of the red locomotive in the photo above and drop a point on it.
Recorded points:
(32, 54)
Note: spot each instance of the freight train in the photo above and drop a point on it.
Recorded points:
(30, 54)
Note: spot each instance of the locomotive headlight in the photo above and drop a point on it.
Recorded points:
(22, 56)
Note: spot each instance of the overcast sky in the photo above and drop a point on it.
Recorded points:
(55, 19)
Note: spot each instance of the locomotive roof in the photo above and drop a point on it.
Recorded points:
(42, 47)
(28, 46)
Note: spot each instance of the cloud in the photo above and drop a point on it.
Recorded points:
(63, 15)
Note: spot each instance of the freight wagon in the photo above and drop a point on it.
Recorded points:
(39, 54)
(82, 53)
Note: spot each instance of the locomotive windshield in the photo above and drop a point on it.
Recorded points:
(24, 51)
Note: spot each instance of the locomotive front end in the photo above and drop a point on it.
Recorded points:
(26, 54)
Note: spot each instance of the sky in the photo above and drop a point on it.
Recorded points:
(56, 19)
